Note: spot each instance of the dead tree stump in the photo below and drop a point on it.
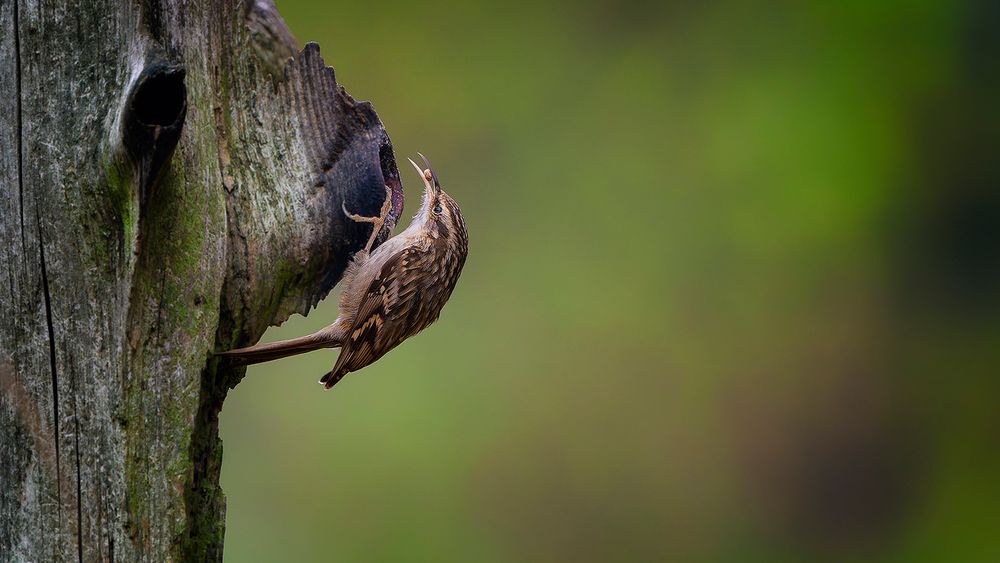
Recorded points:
(171, 181)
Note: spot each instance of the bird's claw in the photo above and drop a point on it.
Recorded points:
(377, 222)
(357, 218)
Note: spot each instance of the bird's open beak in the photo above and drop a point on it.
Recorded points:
(434, 176)
(431, 183)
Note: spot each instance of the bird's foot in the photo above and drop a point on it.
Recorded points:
(377, 222)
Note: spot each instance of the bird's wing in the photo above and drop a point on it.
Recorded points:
(381, 319)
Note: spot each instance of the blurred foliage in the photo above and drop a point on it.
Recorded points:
(731, 295)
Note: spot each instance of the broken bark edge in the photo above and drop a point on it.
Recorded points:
(204, 535)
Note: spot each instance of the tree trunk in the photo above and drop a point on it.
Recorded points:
(172, 175)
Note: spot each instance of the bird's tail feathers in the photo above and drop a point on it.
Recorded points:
(281, 349)
(331, 378)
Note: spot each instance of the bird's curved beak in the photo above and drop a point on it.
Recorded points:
(431, 182)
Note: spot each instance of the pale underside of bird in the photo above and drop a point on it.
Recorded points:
(388, 294)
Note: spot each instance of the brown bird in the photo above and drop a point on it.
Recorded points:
(389, 294)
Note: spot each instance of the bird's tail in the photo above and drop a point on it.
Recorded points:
(282, 349)
(331, 378)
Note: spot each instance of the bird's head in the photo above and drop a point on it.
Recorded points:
(438, 213)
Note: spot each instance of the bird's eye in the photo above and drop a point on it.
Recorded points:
(437, 208)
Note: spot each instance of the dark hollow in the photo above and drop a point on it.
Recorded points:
(153, 121)
(160, 98)
(390, 175)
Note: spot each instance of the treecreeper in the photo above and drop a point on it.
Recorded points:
(391, 293)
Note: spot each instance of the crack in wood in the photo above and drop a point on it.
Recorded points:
(79, 482)
(20, 123)
(52, 360)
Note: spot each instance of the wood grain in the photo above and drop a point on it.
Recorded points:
(116, 284)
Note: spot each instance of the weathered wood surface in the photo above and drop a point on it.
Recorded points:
(171, 178)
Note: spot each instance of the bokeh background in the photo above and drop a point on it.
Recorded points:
(732, 293)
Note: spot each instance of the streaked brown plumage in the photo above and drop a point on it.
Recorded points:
(389, 294)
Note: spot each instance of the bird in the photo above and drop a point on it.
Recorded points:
(389, 294)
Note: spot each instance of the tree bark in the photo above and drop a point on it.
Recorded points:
(171, 181)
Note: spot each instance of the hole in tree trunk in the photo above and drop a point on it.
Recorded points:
(152, 124)
(160, 98)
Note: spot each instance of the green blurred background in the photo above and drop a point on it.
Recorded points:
(732, 293)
